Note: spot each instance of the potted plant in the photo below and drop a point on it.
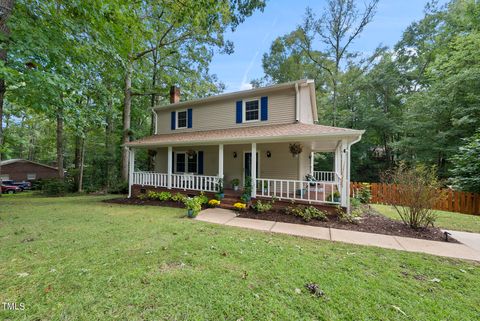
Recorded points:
(247, 190)
(220, 195)
(235, 183)
(193, 206)
(335, 196)
(295, 149)
(213, 203)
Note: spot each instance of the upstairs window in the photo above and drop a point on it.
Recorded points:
(252, 110)
(182, 119)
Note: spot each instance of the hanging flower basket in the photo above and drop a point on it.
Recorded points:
(191, 153)
(295, 149)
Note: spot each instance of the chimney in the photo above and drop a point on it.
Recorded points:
(174, 95)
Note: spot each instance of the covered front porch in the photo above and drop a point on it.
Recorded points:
(268, 168)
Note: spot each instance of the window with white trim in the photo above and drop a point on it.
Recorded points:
(182, 119)
(31, 176)
(5, 177)
(251, 110)
(186, 164)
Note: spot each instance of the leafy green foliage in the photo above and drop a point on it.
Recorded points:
(262, 207)
(307, 213)
(193, 204)
(466, 165)
(54, 187)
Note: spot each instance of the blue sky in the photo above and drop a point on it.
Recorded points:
(254, 37)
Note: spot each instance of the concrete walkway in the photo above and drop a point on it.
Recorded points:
(468, 251)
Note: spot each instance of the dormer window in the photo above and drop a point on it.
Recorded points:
(252, 110)
(182, 119)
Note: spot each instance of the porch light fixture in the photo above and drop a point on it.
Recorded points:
(269, 154)
(234, 154)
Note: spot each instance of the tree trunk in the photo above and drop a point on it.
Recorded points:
(153, 102)
(60, 142)
(127, 106)
(6, 7)
(108, 143)
(82, 162)
(78, 158)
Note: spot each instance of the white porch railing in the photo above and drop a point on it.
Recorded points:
(150, 179)
(323, 176)
(195, 182)
(285, 189)
(180, 181)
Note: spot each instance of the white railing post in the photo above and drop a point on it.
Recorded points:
(312, 160)
(170, 166)
(254, 170)
(220, 163)
(131, 165)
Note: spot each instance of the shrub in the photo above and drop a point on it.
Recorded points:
(355, 212)
(164, 196)
(178, 197)
(54, 187)
(152, 195)
(240, 206)
(213, 203)
(202, 198)
(364, 194)
(417, 191)
(307, 213)
(120, 187)
(260, 207)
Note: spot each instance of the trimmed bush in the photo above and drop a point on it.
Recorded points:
(54, 187)
(307, 213)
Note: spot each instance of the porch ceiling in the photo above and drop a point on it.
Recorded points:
(265, 133)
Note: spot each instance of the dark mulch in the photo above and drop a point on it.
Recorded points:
(370, 222)
(137, 201)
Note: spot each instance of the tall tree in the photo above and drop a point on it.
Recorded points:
(336, 30)
(6, 7)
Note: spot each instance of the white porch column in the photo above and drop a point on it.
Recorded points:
(220, 161)
(254, 170)
(131, 168)
(312, 161)
(170, 166)
(344, 168)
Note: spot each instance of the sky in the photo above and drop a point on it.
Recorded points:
(253, 38)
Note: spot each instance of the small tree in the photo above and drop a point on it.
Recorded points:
(417, 191)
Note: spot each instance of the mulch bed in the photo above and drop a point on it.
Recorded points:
(137, 201)
(371, 222)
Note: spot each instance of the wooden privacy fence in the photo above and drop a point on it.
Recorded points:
(454, 201)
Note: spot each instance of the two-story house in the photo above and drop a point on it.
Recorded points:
(268, 134)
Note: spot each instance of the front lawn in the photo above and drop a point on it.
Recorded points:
(446, 220)
(77, 258)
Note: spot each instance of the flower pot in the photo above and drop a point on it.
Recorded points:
(190, 213)
(235, 187)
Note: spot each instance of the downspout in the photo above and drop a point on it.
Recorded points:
(297, 103)
(349, 169)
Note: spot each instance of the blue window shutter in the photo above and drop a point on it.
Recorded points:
(189, 117)
(264, 108)
(239, 111)
(173, 123)
(200, 162)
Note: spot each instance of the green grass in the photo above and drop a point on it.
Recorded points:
(89, 260)
(447, 220)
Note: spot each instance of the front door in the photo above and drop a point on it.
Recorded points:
(247, 167)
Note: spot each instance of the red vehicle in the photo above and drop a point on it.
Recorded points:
(9, 189)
